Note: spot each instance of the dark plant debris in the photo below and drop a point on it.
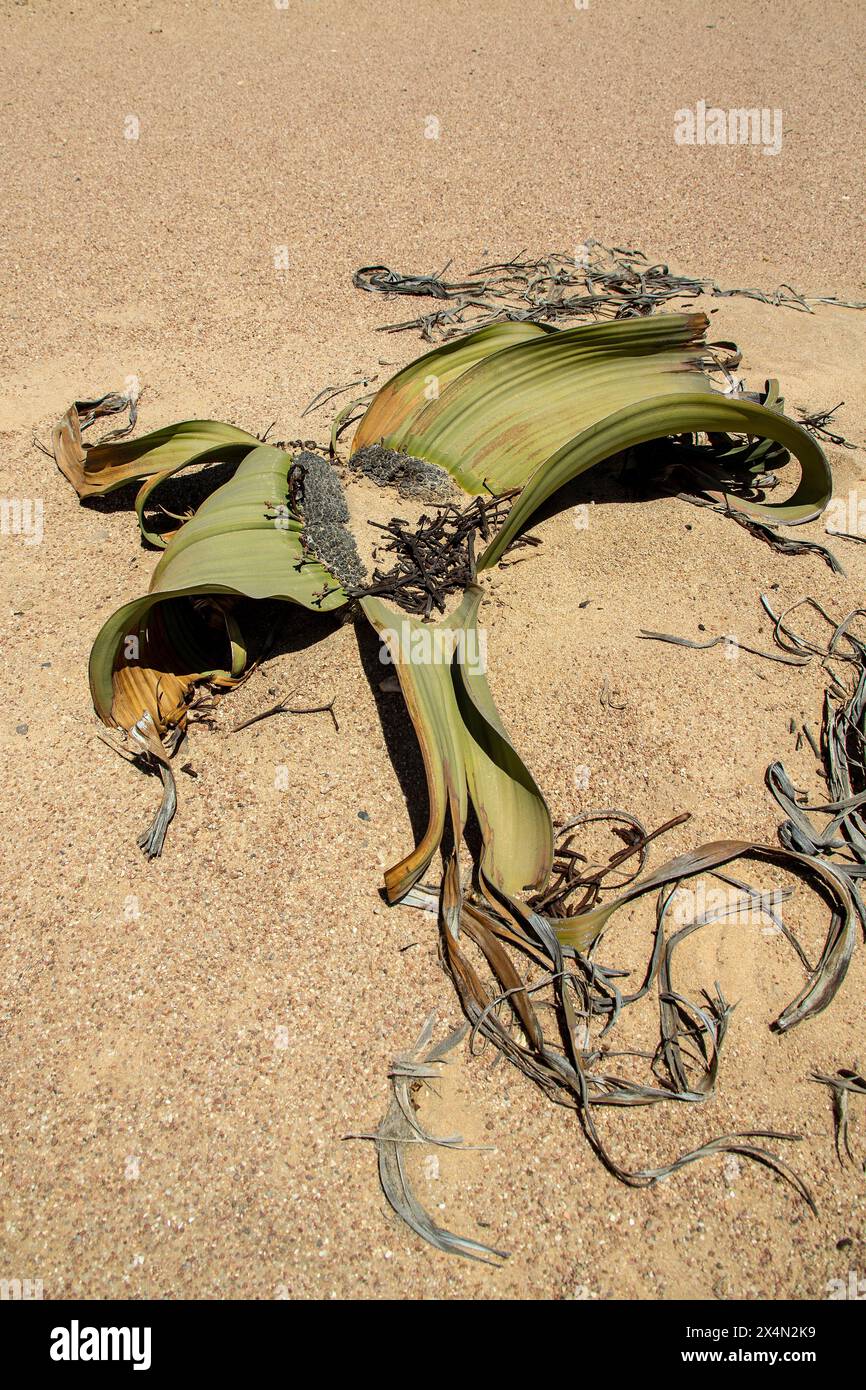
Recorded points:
(401, 1128)
(574, 1067)
(568, 1057)
(436, 557)
(594, 282)
(841, 840)
(845, 1083)
(568, 878)
(283, 708)
(785, 658)
(816, 423)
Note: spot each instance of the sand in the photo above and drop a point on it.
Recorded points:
(187, 1042)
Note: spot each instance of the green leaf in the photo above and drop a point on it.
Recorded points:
(536, 413)
(666, 415)
(466, 751)
(104, 467)
(242, 542)
(401, 400)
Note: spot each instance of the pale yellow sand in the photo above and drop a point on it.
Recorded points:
(151, 1045)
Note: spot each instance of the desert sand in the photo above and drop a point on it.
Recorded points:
(187, 1042)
